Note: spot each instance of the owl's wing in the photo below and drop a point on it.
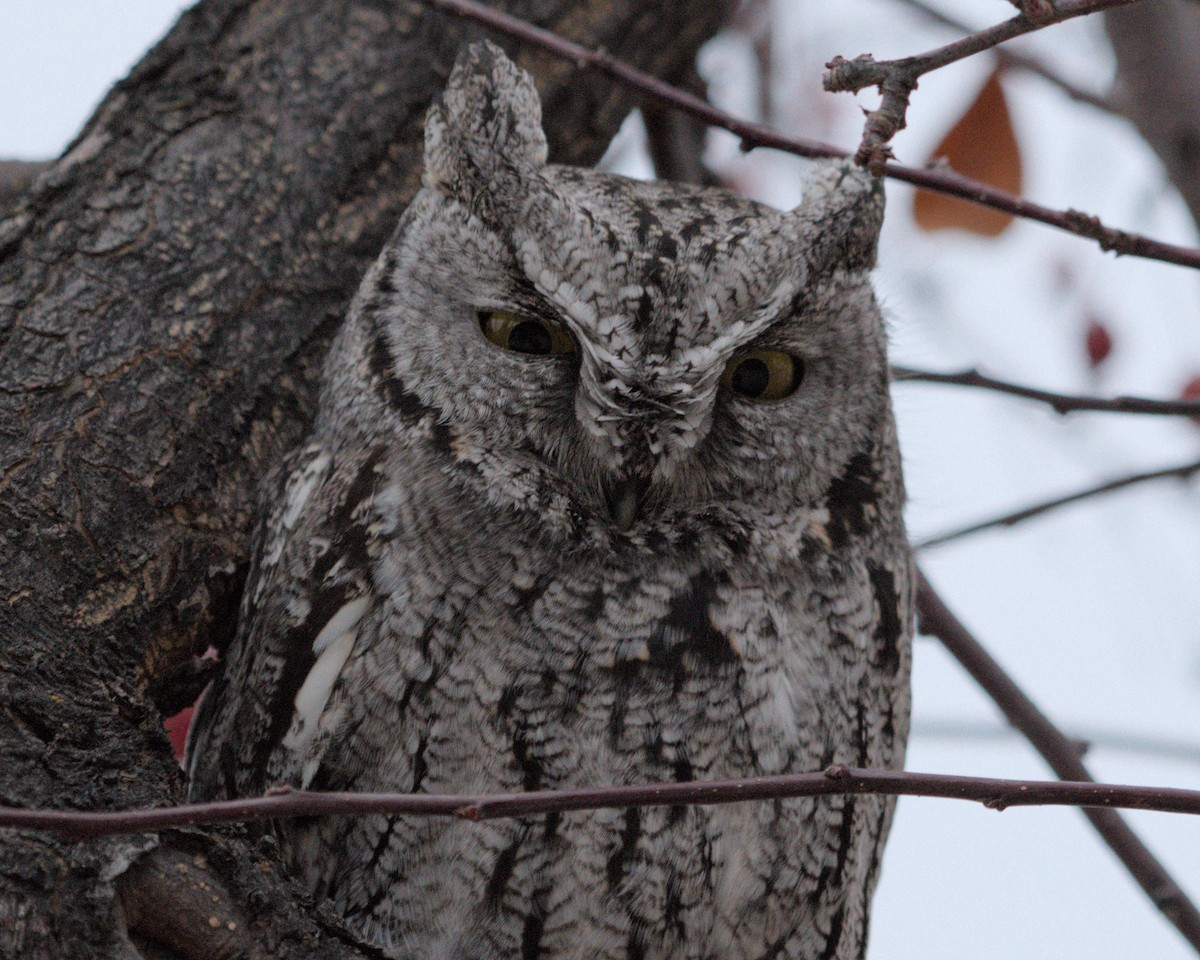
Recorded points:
(307, 591)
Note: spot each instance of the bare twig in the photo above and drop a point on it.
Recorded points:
(939, 179)
(1182, 472)
(1061, 753)
(1062, 403)
(1020, 61)
(897, 79)
(996, 794)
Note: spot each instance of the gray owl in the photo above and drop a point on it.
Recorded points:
(603, 489)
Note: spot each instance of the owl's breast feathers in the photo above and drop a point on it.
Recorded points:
(398, 634)
(366, 574)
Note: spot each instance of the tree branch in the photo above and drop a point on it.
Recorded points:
(1061, 753)
(1015, 59)
(897, 79)
(1158, 73)
(1061, 403)
(1182, 472)
(993, 793)
(939, 179)
(675, 140)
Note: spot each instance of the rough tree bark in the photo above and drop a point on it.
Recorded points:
(167, 289)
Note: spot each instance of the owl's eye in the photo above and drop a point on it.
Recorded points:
(764, 374)
(525, 334)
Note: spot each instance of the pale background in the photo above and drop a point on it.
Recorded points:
(1094, 609)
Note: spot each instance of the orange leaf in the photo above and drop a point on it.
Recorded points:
(983, 146)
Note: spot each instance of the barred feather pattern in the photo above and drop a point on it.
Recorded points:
(442, 599)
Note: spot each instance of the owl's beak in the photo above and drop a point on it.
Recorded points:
(624, 497)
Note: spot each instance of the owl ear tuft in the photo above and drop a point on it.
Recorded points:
(841, 216)
(486, 128)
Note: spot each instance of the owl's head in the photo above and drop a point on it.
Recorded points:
(658, 348)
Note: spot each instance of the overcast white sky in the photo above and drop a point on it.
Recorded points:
(1096, 609)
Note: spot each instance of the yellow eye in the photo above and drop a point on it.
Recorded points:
(764, 374)
(525, 334)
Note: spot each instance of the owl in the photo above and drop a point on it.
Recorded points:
(603, 489)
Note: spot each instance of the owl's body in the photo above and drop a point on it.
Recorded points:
(512, 569)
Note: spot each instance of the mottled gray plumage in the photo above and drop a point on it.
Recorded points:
(493, 570)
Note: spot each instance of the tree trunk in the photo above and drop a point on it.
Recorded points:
(167, 290)
(1157, 45)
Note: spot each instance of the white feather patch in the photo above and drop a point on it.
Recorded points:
(332, 647)
(344, 621)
